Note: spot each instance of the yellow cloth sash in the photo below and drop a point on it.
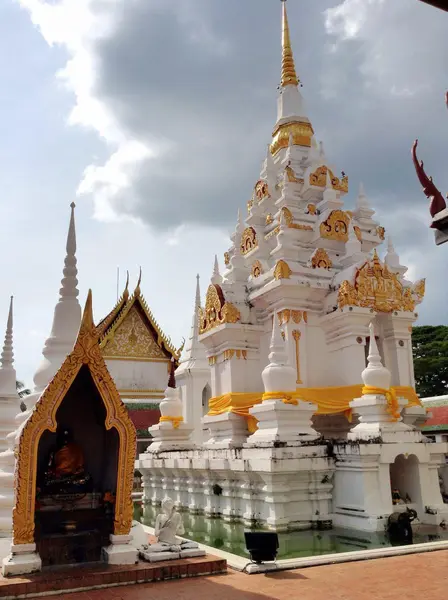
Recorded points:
(176, 421)
(393, 407)
(329, 400)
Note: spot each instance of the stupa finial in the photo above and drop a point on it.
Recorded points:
(197, 301)
(375, 375)
(216, 277)
(172, 377)
(7, 357)
(289, 76)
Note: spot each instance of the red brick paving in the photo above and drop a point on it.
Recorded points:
(412, 577)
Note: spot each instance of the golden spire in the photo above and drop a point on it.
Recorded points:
(289, 76)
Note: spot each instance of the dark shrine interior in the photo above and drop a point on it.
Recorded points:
(76, 479)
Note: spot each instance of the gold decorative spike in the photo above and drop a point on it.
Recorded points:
(289, 76)
(282, 270)
(301, 132)
(217, 311)
(376, 287)
(358, 232)
(336, 226)
(321, 260)
(227, 258)
(296, 335)
(248, 240)
(269, 219)
(380, 231)
(86, 353)
(257, 269)
(272, 233)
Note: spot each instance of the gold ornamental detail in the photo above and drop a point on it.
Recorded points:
(248, 240)
(295, 316)
(321, 260)
(312, 209)
(285, 216)
(319, 179)
(212, 360)
(227, 258)
(256, 269)
(261, 190)
(86, 353)
(217, 311)
(230, 353)
(380, 231)
(269, 219)
(335, 227)
(301, 135)
(376, 287)
(282, 270)
(358, 232)
(296, 336)
(419, 289)
(292, 178)
(250, 203)
(272, 233)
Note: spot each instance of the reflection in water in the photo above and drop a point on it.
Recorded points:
(230, 536)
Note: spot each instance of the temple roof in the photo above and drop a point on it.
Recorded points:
(130, 331)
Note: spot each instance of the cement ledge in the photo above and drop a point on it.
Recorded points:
(239, 563)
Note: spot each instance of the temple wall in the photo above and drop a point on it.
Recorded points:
(130, 375)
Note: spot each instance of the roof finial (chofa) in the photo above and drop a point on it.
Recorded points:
(289, 76)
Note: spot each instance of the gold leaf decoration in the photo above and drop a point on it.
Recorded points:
(269, 219)
(319, 179)
(336, 226)
(86, 352)
(301, 135)
(312, 209)
(227, 258)
(261, 190)
(216, 311)
(257, 269)
(419, 288)
(376, 287)
(285, 216)
(358, 232)
(282, 270)
(380, 232)
(321, 260)
(291, 175)
(248, 240)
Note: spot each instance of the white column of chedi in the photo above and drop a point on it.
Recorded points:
(171, 433)
(379, 409)
(9, 405)
(281, 418)
(66, 322)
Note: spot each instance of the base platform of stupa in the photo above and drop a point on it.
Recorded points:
(101, 575)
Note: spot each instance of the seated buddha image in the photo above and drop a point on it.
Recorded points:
(65, 472)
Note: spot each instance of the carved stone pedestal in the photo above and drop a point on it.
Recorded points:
(225, 431)
(120, 551)
(23, 560)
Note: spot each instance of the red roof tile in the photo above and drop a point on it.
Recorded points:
(439, 417)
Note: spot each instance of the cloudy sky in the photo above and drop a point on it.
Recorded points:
(154, 116)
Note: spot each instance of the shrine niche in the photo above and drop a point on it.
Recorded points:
(75, 460)
(257, 269)
(376, 287)
(248, 240)
(335, 227)
(217, 311)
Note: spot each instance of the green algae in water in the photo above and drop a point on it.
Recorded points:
(230, 536)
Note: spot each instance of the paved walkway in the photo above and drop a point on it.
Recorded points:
(412, 577)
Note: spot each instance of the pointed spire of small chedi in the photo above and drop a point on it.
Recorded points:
(193, 373)
(66, 322)
(9, 406)
(216, 278)
(280, 417)
(363, 210)
(392, 259)
(379, 409)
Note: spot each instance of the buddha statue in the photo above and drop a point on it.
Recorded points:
(168, 525)
(66, 472)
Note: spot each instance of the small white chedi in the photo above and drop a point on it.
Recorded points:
(168, 526)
